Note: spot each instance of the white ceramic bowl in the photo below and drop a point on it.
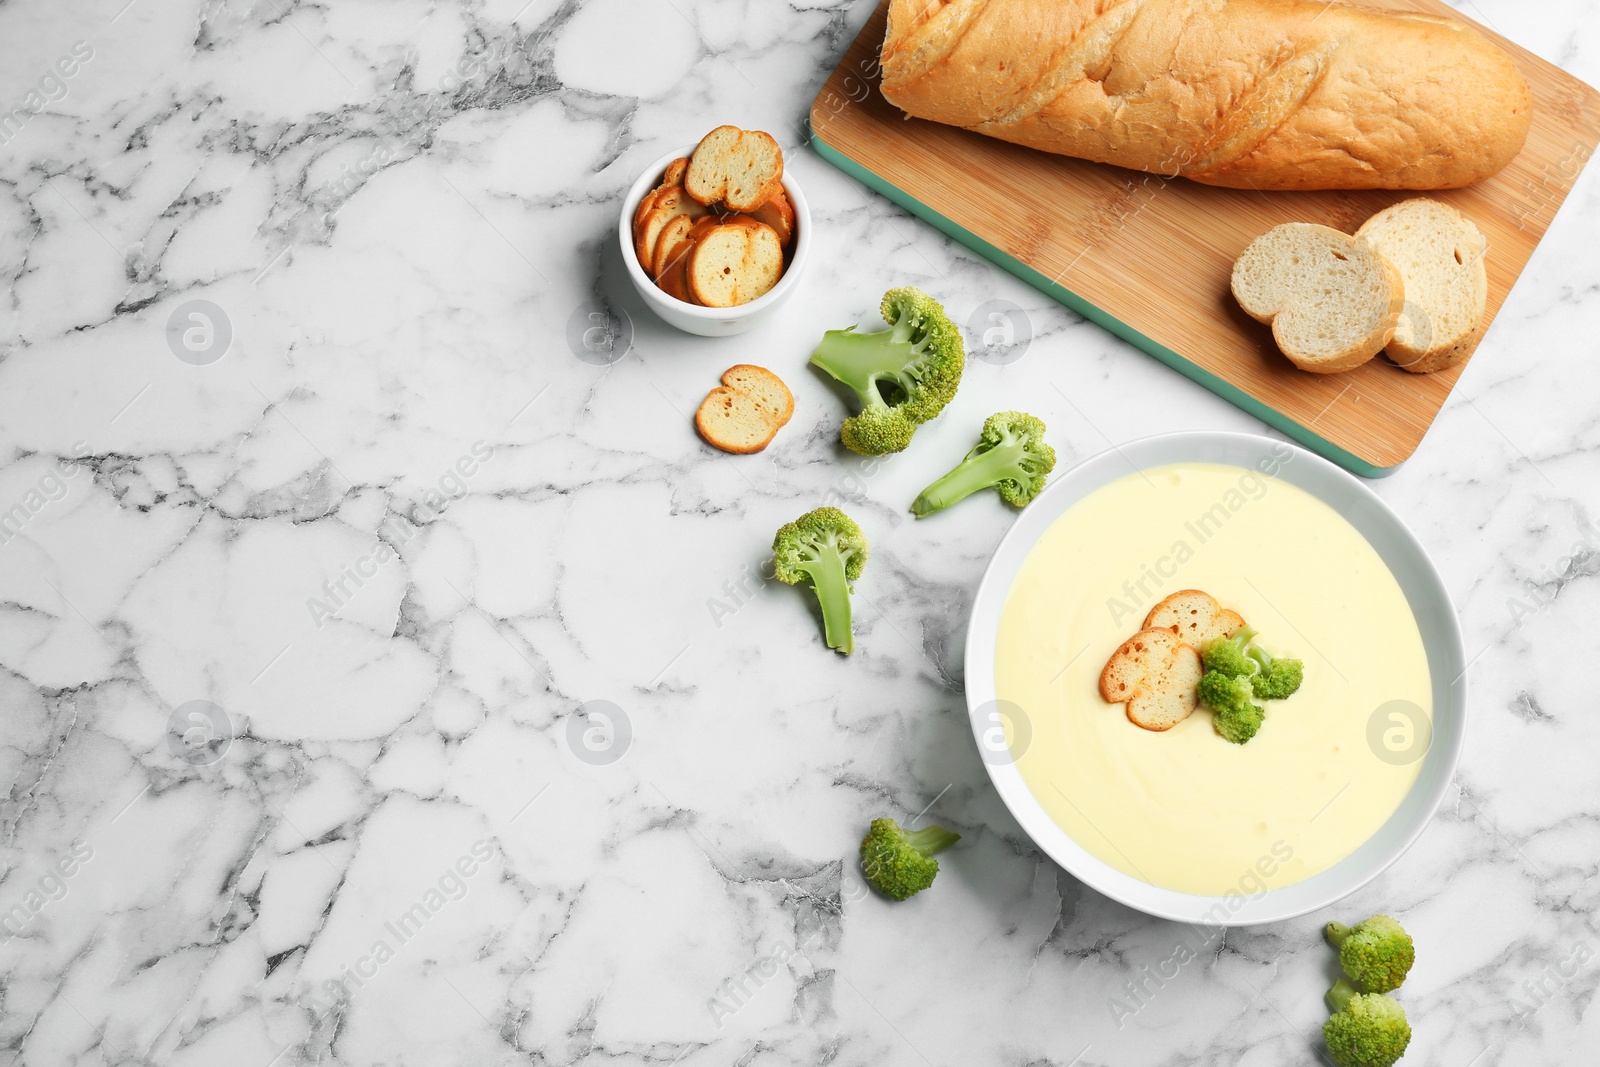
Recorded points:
(711, 322)
(1424, 590)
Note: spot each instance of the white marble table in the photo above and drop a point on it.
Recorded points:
(399, 532)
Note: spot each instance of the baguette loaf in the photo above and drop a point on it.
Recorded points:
(1264, 94)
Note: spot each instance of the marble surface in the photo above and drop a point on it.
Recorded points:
(376, 518)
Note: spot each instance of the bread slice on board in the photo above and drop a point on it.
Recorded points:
(740, 168)
(1333, 301)
(1156, 674)
(1195, 616)
(1439, 254)
(734, 262)
(746, 411)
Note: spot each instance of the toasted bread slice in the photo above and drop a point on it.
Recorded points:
(669, 204)
(746, 411)
(671, 243)
(1439, 254)
(1156, 675)
(647, 202)
(1195, 616)
(1332, 299)
(734, 262)
(740, 168)
(675, 171)
(673, 177)
(779, 214)
(673, 278)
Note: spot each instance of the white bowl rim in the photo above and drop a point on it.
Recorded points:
(1436, 620)
(791, 273)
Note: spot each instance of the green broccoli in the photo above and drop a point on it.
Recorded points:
(1278, 678)
(903, 376)
(899, 862)
(1237, 718)
(1010, 455)
(828, 548)
(1227, 655)
(1376, 953)
(1365, 1029)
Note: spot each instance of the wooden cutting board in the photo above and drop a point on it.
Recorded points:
(1150, 258)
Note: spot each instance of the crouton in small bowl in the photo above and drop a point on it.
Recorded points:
(708, 269)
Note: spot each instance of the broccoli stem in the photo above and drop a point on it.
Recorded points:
(860, 359)
(1337, 932)
(979, 470)
(828, 581)
(931, 839)
(1341, 994)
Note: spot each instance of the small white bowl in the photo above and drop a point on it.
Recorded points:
(692, 318)
(1407, 561)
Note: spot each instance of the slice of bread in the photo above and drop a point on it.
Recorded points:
(1156, 675)
(675, 171)
(669, 204)
(778, 214)
(1332, 299)
(734, 262)
(1439, 254)
(738, 167)
(746, 411)
(645, 204)
(673, 177)
(671, 244)
(673, 279)
(1195, 616)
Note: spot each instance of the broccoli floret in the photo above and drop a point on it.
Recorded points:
(827, 548)
(1365, 1029)
(900, 862)
(1376, 953)
(1227, 655)
(1278, 678)
(1237, 718)
(903, 376)
(1010, 455)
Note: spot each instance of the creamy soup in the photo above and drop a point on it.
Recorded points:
(1185, 809)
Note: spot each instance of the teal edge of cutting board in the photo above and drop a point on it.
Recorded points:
(1227, 391)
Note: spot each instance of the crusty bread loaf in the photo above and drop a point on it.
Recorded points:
(1439, 254)
(1264, 94)
(1332, 300)
(1156, 675)
(746, 411)
(734, 262)
(740, 168)
(1195, 616)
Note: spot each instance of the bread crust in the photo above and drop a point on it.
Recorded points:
(1261, 94)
